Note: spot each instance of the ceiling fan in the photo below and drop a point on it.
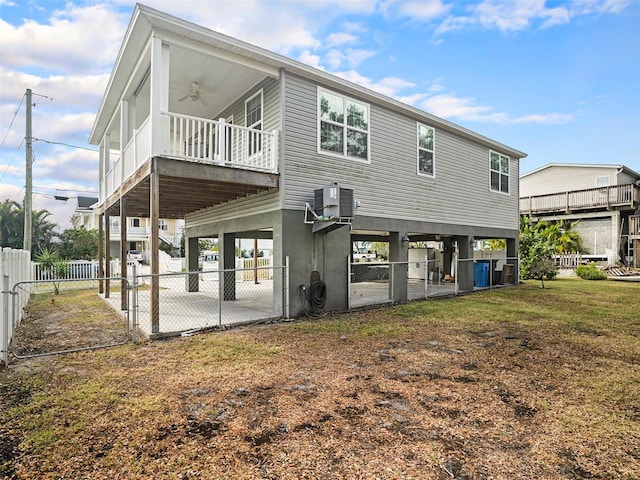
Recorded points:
(195, 94)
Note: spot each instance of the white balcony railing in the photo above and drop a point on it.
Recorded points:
(198, 140)
(218, 142)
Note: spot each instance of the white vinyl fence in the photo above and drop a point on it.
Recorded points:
(15, 266)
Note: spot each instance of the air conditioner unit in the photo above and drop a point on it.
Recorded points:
(334, 202)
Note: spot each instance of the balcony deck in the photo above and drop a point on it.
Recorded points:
(200, 163)
(592, 199)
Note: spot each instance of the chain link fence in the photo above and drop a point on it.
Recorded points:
(373, 283)
(61, 316)
(191, 301)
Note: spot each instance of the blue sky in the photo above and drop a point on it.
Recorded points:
(559, 80)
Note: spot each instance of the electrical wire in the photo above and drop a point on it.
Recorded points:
(64, 144)
(13, 120)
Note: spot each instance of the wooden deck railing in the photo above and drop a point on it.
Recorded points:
(634, 225)
(591, 198)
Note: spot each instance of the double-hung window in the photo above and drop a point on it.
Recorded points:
(499, 165)
(426, 151)
(253, 120)
(343, 126)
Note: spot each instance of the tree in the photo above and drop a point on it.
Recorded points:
(11, 230)
(12, 227)
(536, 251)
(79, 244)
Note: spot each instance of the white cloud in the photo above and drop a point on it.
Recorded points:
(450, 106)
(467, 109)
(339, 38)
(424, 9)
(310, 59)
(524, 14)
(54, 46)
(548, 119)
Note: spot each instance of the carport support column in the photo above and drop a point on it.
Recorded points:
(191, 246)
(512, 255)
(398, 252)
(465, 264)
(228, 257)
(107, 256)
(100, 253)
(123, 252)
(447, 255)
(154, 207)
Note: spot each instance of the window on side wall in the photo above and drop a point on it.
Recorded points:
(426, 150)
(499, 166)
(602, 181)
(343, 126)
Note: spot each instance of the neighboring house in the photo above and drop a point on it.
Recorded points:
(84, 215)
(170, 230)
(237, 140)
(605, 199)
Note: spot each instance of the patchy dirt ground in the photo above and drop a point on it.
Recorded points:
(518, 383)
(67, 321)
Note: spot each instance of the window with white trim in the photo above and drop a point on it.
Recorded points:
(602, 181)
(253, 119)
(343, 126)
(499, 172)
(426, 150)
(163, 225)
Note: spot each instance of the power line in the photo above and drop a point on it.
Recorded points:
(64, 144)
(9, 164)
(12, 120)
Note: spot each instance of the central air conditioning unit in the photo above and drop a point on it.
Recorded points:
(333, 202)
(333, 207)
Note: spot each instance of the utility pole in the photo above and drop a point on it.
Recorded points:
(28, 189)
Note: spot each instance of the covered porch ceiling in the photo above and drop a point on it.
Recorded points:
(221, 79)
(185, 187)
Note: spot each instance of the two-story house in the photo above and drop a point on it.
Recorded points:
(603, 200)
(138, 229)
(237, 140)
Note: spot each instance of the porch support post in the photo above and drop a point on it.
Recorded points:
(107, 259)
(125, 134)
(398, 252)
(228, 258)
(465, 263)
(100, 253)
(512, 254)
(447, 255)
(159, 91)
(123, 252)
(191, 247)
(154, 206)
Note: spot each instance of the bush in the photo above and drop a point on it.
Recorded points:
(590, 272)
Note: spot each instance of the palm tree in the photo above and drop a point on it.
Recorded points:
(11, 224)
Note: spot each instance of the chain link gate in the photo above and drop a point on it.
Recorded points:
(63, 316)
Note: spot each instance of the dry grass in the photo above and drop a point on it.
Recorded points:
(514, 383)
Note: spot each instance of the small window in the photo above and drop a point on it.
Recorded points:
(602, 181)
(499, 172)
(135, 222)
(343, 126)
(426, 150)
(163, 225)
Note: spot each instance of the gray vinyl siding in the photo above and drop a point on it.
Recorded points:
(559, 178)
(254, 204)
(271, 106)
(389, 186)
